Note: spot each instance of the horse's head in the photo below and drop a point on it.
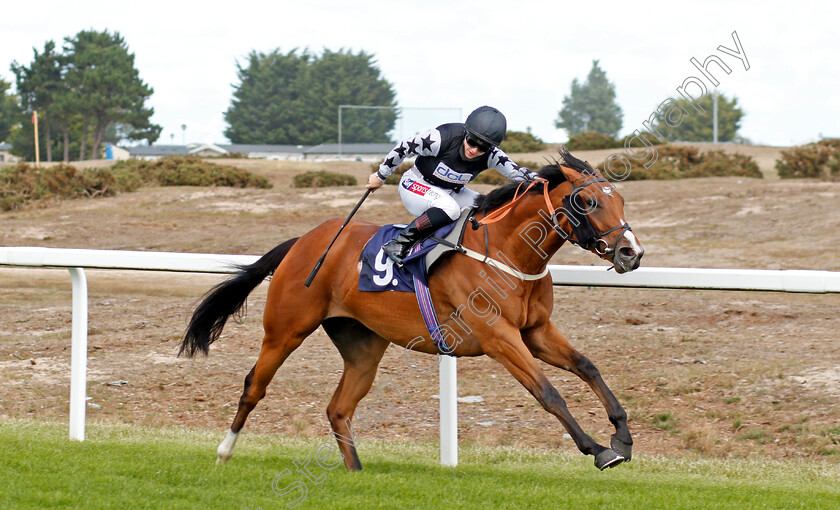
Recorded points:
(589, 212)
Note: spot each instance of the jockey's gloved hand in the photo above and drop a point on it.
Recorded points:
(529, 175)
(374, 182)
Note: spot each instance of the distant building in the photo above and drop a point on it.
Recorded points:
(353, 151)
(323, 152)
(116, 153)
(278, 152)
(220, 150)
(5, 154)
(157, 151)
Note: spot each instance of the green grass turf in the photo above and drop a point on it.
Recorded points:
(124, 466)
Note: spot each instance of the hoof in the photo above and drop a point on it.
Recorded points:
(623, 449)
(607, 459)
(225, 450)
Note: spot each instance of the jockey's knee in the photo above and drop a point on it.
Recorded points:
(438, 216)
(444, 211)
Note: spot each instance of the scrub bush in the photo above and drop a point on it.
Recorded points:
(592, 140)
(322, 179)
(819, 160)
(518, 141)
(187, 171)
(682, 162)
(23, 183)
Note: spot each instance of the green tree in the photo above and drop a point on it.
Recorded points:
(40, 86)
(63, 114)
(293, 98)
(80, 92)
(268, 99)
(693, 121)
(107, 88)
(344, 78)
(9, 110)
(591, 106)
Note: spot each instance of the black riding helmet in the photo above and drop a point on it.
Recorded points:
(487, 124)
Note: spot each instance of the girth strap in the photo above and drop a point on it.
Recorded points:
(501, 266)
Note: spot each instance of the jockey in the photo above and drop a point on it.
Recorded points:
(448, 157)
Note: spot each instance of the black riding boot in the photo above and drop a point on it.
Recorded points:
(419, 229)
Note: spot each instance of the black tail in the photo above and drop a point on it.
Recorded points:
(228, 298)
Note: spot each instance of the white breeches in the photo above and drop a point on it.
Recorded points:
(418, 196)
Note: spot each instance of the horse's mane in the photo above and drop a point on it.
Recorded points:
(552, 173)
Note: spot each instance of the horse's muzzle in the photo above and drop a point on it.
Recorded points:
(627, 256)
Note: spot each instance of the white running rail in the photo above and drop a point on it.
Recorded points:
(75, 260)
(650, 277)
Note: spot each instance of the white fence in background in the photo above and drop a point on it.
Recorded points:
(75, 261)
(650, 277)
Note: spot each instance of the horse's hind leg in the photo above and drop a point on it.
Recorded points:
(362, 350)
(282, 337)
(548, 344)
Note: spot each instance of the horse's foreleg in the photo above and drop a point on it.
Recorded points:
(362, 351)
(548, 344)
(510, 351)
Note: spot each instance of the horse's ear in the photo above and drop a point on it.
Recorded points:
(571, 174)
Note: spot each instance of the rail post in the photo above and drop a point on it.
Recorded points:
(448, 410)
(78, 354)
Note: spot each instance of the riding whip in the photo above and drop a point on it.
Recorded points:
(321, 260)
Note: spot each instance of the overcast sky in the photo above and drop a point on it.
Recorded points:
(519, 56)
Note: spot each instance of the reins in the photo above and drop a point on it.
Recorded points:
(497, 215)
(503, 211)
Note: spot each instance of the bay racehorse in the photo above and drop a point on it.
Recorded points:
(518, 225)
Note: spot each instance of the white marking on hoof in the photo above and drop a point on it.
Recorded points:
(225, 451)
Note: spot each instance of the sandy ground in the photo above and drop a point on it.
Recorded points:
(699, 372)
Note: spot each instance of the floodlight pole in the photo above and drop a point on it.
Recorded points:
(715, 117)
(357, 107)
(37, 149)
(363, 107)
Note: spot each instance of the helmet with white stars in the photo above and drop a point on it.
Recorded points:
(487, 124)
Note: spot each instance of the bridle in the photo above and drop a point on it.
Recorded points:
(585, 234)
(582, 234)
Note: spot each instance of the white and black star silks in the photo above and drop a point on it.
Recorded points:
(439, 160)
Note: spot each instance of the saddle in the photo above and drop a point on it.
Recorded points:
(450, 242)
(378, 273)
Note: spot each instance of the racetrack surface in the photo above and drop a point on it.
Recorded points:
(121, 466)
(701, 373)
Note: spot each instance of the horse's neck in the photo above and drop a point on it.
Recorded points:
(525, 237)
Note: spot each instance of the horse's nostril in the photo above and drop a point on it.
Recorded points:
(627, 252)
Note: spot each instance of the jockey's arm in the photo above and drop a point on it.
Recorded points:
(423, 144)
(506, 166)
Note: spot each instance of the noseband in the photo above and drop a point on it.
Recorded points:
(585, 234)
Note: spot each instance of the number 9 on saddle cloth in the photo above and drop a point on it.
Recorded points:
(379, 273)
